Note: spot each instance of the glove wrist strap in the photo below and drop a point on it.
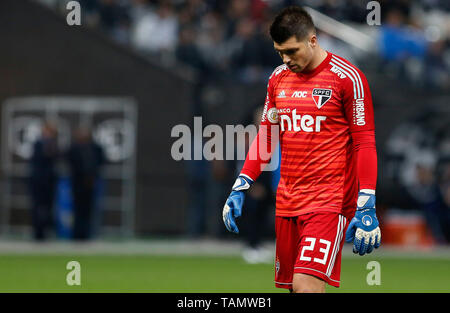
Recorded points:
(366, 200)
(367, 191)
(243, 182)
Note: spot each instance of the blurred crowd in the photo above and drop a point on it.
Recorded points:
(84, 159)
(417, 161)
(229, 39)
(415, 42)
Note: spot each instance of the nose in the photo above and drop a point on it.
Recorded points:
(286, 59)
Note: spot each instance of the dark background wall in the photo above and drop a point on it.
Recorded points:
(42, 55)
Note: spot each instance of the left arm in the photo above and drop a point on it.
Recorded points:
(363, 229)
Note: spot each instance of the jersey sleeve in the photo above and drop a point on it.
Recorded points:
(357, 101)
(366, 158)
(358, 106)
(262, 146)
(269, 115)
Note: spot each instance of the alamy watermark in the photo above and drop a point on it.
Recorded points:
(213, 142)
(73, 278)
(374, 16)
(374, 276)
(74, 15)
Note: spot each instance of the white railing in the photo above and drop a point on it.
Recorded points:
(341, 31)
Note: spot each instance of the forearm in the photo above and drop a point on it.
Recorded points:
(366, 155)
(260, 151)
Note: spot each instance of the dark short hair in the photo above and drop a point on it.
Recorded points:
(291, 21)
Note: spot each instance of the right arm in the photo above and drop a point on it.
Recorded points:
(265, 142)
(257, 158)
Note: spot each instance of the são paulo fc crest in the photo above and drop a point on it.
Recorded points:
(321, 96)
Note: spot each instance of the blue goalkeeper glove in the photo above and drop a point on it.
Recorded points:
(233, 206)
(363, 229)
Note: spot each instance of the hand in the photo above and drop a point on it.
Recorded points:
(363, 229)
(233, 205)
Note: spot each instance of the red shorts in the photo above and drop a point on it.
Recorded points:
(309, 244)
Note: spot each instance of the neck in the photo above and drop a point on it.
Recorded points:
(318, 58)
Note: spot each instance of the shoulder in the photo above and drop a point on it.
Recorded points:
(347, 73)
(278, 73)
(338, 62)
(278, 70)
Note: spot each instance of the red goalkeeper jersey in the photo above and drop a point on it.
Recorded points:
(326, 134)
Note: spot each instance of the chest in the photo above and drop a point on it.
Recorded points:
(305, 105)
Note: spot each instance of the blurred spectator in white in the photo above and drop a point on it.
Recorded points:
(156, 31)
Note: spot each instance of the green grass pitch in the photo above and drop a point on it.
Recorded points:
(154, 273)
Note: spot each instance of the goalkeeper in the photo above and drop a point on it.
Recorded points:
(319, 108)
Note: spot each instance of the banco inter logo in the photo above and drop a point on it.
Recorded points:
(321, 96)
(291, 121)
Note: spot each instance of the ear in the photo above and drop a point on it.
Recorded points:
(312, 41)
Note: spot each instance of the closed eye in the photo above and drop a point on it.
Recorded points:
(288, 51)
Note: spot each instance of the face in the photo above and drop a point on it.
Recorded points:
(296, 54)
